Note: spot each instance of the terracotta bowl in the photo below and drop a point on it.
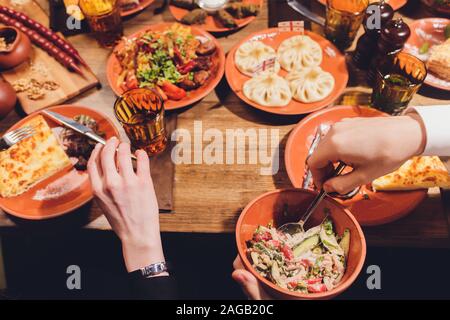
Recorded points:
(271, 207)
(8, 98)
(19, 50)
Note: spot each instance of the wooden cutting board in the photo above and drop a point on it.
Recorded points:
(43, 67)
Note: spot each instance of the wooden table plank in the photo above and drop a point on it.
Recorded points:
(209, 198)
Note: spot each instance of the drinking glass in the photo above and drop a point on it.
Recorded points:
(141, 113)
(104, 20)
(343, 19)
(398, 78)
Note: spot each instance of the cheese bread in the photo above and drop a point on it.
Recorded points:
(32, 160)
(417, 173)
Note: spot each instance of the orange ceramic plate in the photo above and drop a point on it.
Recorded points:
(333, 62)
(113, 69)
(380, 207)
(142, 5)
(395, 4)
(23, 206)
(211, 24)
(429, 30)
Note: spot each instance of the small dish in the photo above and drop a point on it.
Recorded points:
(427, 33)
(17, 50)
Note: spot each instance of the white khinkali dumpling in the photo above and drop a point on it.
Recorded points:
(268, 89)
(252, 54)
(310, 84)
(299, 52)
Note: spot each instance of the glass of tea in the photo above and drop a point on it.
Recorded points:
(141, 113)
(398, 77)
(343, 19)
(104, 20)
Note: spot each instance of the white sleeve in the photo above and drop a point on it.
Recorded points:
(436, 120)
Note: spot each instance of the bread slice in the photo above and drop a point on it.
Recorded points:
(32, 160)
(439, 61)
(417, 173)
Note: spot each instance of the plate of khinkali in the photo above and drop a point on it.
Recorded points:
(302, 73)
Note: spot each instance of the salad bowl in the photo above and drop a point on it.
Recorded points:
(287, 205)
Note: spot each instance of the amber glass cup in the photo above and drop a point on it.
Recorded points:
(141, 113)
(104, 20)
(343, 19)
(398, 78)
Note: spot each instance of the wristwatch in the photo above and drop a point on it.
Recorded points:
(151, 270)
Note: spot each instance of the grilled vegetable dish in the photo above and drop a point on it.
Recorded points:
(173, 62)
(308, 262)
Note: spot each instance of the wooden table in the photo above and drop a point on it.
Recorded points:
(209, 198)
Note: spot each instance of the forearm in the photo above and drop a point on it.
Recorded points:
(139, 255)
(436, 125)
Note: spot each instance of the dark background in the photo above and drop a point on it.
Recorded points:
(36, 268)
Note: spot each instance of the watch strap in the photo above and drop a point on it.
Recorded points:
(151, 270)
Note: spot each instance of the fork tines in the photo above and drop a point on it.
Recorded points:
(20, 134)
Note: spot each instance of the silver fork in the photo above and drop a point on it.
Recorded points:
(320, 131)
(15, 136)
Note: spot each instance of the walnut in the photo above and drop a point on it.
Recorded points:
(50, 85)
(35, 93)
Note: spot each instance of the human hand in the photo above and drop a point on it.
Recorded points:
(249, 284)
(129, 202)
(373, 147)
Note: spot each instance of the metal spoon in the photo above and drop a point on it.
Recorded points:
(297, 227)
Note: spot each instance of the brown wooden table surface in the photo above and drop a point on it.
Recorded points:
(209, 198)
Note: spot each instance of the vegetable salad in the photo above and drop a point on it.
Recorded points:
(309, 262)
(173, 61)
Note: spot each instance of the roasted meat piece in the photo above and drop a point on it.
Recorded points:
(200, 77)
(203, 63)
(206, 48)
(196, 16)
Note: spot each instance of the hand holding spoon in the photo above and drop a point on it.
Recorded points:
(297, 227)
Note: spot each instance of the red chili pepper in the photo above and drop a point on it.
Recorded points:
(43, 43)
(187, 67)
(293, 284)
(172, 91)
(178, 57)
(317, 288)
(45, 32)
